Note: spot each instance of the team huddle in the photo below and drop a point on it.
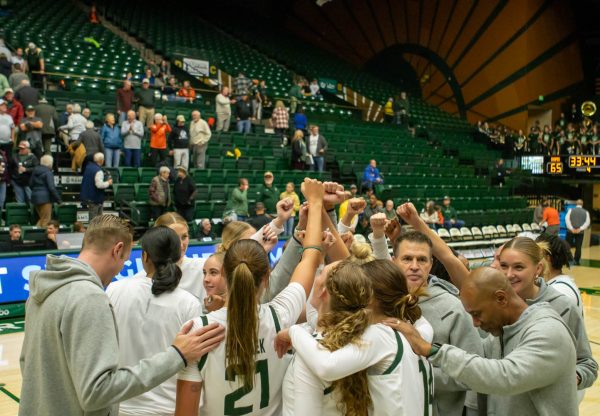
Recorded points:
(337, 327)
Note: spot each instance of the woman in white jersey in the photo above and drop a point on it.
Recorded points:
(559, 257)
(148, 310)
(399, 382)
(244, 375)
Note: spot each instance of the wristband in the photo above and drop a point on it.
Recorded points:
(303, 249)
(435, 347)
(181, 355)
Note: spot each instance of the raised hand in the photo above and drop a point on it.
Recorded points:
(303, 216)
(313, 191)
(194, 344)
(334, 194)
(269, 238)
(356, 206)
(392, 230)
(408, 213)
(348, 239)
(285, 208)
(378, 224)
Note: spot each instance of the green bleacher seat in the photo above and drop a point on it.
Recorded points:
(17, 213)
(128, 175)
(124, 193)
(66, 213)
(140, 213)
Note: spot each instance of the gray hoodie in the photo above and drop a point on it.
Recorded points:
(451, 325)
(587, 367)
(531, 370)
(70, 355)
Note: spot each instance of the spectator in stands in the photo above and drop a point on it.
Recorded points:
(147, 75)
(17, 76)
(43, 190)
(15, 234)
(430, 215)
(499, 173)
(315, 91)
(269, 194)
(132, 131)
(577, 221)
(7, 129)
(75, 125)
(23, 164)
(388, 111)
(14, 107)
(243, 114)
(401, 108)
(372, 208)
(158, 139)
(91, 140)
(550, 218)
(371, 175)
(389, 211)
(52, 230)
(574, 113)
(5, 68)
(27, 95)
(241, 85)
(4, 178)
(317, 146)
(111, 137)
(300, 120)
(199, 137)
(93, 15)
(86, 113)
(205, 233)
(125, 98)
(450, 217)
(280, 119)
(178, 143)
(64, 117)
(78, 227)
(17, 58)
(31, 130)
(223, 109)
(160, 192)
(184, 194)
(35, 64)
(291, 194)
(4, 84)
(265, 108)
(94, 185)
(299, 151)
(238, 200)
(295, 93)
(49, 117)
(538, 213)
(260, 217)
(146, 101)
(169, 91)
(187, 92)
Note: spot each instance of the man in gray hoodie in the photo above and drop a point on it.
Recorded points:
(533, 375)
(70, 354)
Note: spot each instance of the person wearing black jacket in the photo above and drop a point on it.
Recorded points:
(22, 166)
(243, 114)
(184, 192)
(178, 143)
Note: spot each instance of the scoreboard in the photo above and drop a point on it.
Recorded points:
(574, 165)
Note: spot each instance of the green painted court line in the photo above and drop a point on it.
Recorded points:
(9, 394)
(590, 290)
(590, 263)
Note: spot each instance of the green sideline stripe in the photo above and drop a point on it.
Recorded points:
(488, 22)
(525, 69)
(8, 393)
(509, 42)
(10, 326)
(594, 291)
(590, 263)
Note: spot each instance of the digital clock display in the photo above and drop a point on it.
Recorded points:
(555, 166)
(583, 161)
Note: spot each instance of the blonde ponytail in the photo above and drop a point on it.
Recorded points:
(361, 253)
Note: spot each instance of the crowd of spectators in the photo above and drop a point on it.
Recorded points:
(572, 135)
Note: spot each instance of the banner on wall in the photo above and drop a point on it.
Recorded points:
(328, 84)
(196, 67)
(14, 274)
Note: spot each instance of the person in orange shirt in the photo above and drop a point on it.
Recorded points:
(187, 92)
(551, 218)
(158, 139)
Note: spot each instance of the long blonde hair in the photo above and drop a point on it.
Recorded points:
(232, 233)
(347, 319)
(246, 265)
(536, 251)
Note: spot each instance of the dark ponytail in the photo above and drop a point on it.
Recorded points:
(560, 251)
(163, 248)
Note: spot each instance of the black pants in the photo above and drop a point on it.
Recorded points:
(576, 240)
(158, 155)
(186, 212)
(157, 210)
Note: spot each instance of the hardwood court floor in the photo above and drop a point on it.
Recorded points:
(10, 345)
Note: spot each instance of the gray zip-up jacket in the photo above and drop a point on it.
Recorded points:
(70, 355)
(451, 325)
(587, 367)
(528, 373)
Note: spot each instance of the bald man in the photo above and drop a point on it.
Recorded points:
(532, 374)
